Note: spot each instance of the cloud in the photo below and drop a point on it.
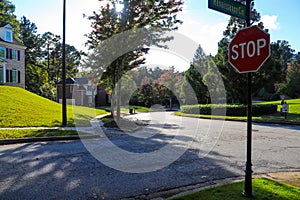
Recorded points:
(205, 33)
(270, 22)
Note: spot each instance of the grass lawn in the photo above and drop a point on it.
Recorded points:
(139, 109)
(8, 134)
(20, 108)
(263, 188)
(292, 117)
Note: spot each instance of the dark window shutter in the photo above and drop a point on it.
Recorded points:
(10, 53)
(7, 53)
(19, 77)
(10, 75)
(19, 55)
(7, 76)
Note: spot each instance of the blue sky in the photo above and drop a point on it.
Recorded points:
(203, 25)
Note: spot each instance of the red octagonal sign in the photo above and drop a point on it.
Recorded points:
(249, 49)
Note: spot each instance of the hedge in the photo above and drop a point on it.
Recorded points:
(231, 110)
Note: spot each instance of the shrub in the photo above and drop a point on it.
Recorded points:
(231, 110)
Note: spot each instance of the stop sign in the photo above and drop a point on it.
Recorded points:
(249, 49)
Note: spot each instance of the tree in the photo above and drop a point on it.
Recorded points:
(36, 74)
(43, 59)
(232, 79)
(291, 86)
(145, 94)
(171, 81)
(193, 78)
(134, 15)
(7, 16)
(32, 41)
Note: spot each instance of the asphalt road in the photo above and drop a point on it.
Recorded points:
(171, 152)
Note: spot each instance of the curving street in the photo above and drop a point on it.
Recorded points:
(200, 151)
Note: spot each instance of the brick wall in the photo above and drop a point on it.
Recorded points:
(18, 65)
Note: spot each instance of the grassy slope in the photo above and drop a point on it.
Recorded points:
(19, 108)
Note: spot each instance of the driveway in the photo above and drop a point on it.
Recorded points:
(171, 152)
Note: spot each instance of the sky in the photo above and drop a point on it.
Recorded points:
(201, 24)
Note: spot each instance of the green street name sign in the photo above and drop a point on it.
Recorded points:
(229, 7)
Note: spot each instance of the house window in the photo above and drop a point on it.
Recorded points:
(14, 55)
(90, 99)
(8, 36)
(89, 88)
(14, 76)
(2, 52)
(1, 75)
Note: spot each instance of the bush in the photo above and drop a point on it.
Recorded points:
(266, 96)
(231, 110)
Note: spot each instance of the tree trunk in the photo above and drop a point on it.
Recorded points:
(119, 93)
(113, 94)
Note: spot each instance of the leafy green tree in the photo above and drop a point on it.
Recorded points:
(135, 14)
(43, 59)
(7, 16)
(145, 95)
(28, 35)
(194, 76)
(36, 75)
(274, 70)
(50, 57)
(291, 86)
(235, 82)
(171, 81)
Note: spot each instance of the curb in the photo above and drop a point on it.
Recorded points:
(44, 139)
(188, 189)
(175, 192)
(253, 121)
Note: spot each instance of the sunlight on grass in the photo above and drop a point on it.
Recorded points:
(262, 188)
(293, 116)
(8, 134)
(20, 108)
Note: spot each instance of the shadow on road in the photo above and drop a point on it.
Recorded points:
(66, 170)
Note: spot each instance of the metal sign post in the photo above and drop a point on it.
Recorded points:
(257, 45)
(248, 172)
(64, 103)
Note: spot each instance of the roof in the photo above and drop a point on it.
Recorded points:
(14, 41)
(69, 81)
(81, 80)
(72, 81)
(81, 88)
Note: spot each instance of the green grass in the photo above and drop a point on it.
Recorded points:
(139, 109)
(20, 108)
(8, 134)
(263, 188)
(293, 116)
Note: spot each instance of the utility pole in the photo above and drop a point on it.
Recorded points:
(64, 103)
